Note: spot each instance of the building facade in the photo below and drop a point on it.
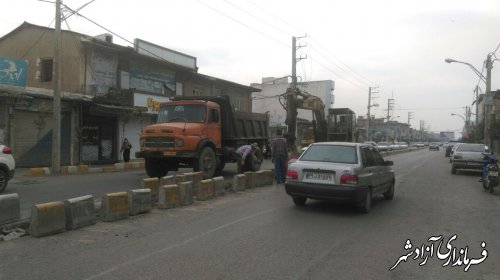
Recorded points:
(108, 93)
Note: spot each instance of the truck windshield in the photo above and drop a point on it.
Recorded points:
(182, 113)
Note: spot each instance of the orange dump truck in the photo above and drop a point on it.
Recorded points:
(203, 133)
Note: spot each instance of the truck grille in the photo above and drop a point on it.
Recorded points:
(159, 142)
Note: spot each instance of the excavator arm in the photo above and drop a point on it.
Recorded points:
(308, 101)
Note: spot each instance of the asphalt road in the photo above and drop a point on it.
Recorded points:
(260, 234)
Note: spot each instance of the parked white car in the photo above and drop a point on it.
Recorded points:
(7, 166)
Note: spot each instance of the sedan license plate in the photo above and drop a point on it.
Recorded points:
(493, 173)
(318, 176)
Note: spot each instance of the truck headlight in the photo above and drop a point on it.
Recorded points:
(179, 142)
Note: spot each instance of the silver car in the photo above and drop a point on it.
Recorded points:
(341, 172)
(468, 156)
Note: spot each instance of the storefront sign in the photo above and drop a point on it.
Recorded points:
(13, 71)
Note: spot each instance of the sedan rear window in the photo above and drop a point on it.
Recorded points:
(471, 148)
(330, 153)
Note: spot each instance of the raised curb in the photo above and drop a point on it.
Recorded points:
(83, 168)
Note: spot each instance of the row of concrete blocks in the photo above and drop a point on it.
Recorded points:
(167, 192)
(83, 168)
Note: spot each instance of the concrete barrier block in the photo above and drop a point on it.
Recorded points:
(186, 193)
(268, 178)
(239, 182)
(154, 185)
(188, 176)
(139, 201)
(167, 180)
(206, 190)
(64, 169)
(47, 218)
(39, 171)
(197, 177)
(83, 168)
(95, 169)
(119, 166)
(10, 208)
(219, 187)
(179, 178)
(249, 179)
(80, 212)
(259, 178)
(169, 197)
(108, 169)
(72, 169)
(114, 206)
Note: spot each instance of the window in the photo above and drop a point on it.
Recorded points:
(46, 70)
(331, 153)
(198, 91)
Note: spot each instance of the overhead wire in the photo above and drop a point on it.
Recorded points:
(349, 73)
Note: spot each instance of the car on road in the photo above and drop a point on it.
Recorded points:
(434, 146)
(447, 150)
(7, 166)
(468, 156)
(383, 146)
(340, 172)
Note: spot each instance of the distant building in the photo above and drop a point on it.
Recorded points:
(447, 135)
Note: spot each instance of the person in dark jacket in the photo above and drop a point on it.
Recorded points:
(279, 155)
(126, 146)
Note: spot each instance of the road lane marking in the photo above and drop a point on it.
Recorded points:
(179, 244)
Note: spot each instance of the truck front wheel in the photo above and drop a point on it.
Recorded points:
(206, 163)
(155, 167)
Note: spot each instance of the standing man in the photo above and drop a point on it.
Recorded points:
(279, 155)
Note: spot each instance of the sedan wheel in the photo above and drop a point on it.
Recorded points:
(3, 180)
(367, 205)
(453, 169)
(299, 201)
(389, 194)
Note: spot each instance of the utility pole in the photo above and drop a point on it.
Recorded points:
(488, 103)
(410, 117)
(368, 119)
(56, 126)
(390, 107)
(291, 99)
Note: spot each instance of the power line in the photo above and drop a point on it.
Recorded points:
(244, 24)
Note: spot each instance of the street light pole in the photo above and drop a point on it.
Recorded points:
(488, 100)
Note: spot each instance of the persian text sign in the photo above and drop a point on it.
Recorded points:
(13, 71)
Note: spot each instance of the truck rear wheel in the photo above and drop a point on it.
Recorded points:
(206, 163)
(155, 168)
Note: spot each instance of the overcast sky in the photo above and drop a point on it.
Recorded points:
(397, 45)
